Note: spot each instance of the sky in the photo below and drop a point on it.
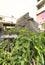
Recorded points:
(18, 8)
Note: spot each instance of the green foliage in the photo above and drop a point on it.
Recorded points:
(13, 30)
(27, 49)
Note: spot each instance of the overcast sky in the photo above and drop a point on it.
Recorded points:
(17, 7)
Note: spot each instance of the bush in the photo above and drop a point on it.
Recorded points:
(27, 49)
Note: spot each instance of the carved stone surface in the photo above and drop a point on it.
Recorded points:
(29, 22)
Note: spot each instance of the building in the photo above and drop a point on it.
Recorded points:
(41, 14)
(7, 21)
(5, 24)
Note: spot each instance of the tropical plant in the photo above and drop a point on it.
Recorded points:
(27, 49)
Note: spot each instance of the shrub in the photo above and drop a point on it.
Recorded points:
(27, 49)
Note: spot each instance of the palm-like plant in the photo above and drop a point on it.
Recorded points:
(27, 49)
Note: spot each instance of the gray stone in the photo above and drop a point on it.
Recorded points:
(29, 22)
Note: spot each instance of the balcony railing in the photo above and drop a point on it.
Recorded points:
(41, 9)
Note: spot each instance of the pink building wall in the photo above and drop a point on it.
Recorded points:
(41, 17)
